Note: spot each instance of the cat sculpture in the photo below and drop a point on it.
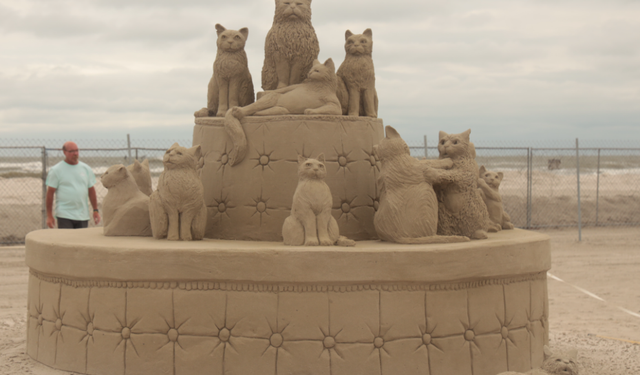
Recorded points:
(408, 210)
(314, 96)
(142, 175)
(561, 363)
(311, 222)
(291, 45)
(488, 186)
(461, 210)
(125, 209)
(356, 77)
(231, 83)
(177, 207)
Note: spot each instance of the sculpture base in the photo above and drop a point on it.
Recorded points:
(113, 305)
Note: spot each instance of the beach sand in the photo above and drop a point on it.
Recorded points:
(605, 263)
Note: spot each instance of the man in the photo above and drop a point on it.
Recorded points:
(72, 182)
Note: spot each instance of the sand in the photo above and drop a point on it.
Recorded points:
(605, 264)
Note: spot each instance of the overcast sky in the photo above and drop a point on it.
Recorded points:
(507, 69)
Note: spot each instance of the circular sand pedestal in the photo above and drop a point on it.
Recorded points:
(109, 305)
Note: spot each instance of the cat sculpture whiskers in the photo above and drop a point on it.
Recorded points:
(177, 207)
(311, 222)
(356, 76)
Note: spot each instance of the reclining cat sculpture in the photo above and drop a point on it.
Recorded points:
(311, 222)
(316, 95)
(408, 210)
(125, 209)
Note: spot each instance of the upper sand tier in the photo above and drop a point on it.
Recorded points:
(251, 200)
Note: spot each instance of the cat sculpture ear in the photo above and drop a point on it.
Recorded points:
(500, 175)
(482, 170)
(145, 163)
(174, 145)
(391, 132)
(466, 136)
(329, 64)
(245, 32)
(321, 158)
(195, 151)
(368, 33)
(219, 29)
(347, 34)
(442, 134)
(136, 165)
(301, 159)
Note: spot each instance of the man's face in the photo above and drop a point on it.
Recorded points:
(71, 153)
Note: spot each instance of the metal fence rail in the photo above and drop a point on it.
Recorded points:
(539, 190)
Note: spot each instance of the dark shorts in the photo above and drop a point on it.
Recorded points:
(72, 224)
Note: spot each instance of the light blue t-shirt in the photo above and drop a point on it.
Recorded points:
(72, 183)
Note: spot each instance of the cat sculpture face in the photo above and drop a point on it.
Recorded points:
(563, 363)
(293, 11)
(492, 179)
(231, 40)
(322, 72)
(455, 146)
(178, 157)
(391, 145)
(358, 44)
(309, 168)
(114, 175)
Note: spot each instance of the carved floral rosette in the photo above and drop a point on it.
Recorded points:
(102, 305)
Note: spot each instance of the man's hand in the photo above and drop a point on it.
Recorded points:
(96, 217)
(51, 222)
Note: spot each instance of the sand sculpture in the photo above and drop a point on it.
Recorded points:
(311, 222)
(356, 76)
(562, 363)
(142, 175)
(408, 211)
(291, 45)
(231, 83)
(242, 302)
(125, 209)
(488, 186)
(177, 208)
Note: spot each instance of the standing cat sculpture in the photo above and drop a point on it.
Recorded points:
(314, 96)
(291, 45)
(461, 209)
(125, 209)
(311, 222)
(488, 186)
(231, 83)
(142, 175)
(356, 77)
(408, 210)
(177, 207)
(561, 363)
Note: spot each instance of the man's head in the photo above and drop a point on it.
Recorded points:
(70, 150)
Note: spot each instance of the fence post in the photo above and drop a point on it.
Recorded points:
(129, 148)
(578, 177)
(44, 187)
(529, 184)
(426, 151)
(597, 186)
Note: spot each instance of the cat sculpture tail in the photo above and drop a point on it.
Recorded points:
(431, 240)
(238, 138)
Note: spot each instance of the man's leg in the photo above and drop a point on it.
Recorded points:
(79, 224)
(64, 223)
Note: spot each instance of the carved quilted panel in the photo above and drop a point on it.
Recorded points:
(216, 328)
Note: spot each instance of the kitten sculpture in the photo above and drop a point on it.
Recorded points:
(125, 209)
(563, 363)
(291, 45)
(488, 185)
(142, 175)
(231, 83)
(315, 95)
(356, 77)
(177, 207)
(311, 222)
(461, 210)
(408, 210)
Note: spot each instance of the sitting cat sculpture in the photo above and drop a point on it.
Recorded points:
(461, 209)
(314, 96)
(177, 207)
(562, 363)
(125, 209)
(311, 222)
(142, 175)
(231, 83)
(488, 185)
(291, 45)
(356, 77)
(408, 210)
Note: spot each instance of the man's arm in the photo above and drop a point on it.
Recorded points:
(51, 222)
(94, 203)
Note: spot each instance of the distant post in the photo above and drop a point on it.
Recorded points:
(129, 147)
(426, 151)
(578, 175)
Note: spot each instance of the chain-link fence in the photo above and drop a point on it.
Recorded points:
(539, 189)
